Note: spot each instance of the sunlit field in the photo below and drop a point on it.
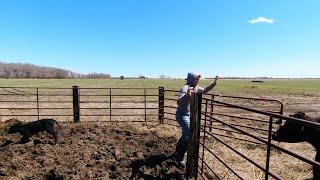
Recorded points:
(268, 87)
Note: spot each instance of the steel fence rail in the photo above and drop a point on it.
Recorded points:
(314, 163)
(42, 99)
(243, 156)
(219, 159)
(209, 117)
(267, 142)
(231, 131)
(240, 97)
(238, 125)
(240, 117)
(240, 139)
(296, 120)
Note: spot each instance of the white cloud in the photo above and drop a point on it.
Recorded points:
(261, 20)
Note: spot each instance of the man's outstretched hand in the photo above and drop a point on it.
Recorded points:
(216, 79)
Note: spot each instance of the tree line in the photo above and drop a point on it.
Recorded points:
(30, 71)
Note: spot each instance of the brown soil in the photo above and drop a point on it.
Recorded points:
(89, 151)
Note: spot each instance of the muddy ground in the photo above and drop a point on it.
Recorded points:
(89, 151)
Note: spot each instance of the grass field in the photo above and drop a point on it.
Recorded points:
(268, 87)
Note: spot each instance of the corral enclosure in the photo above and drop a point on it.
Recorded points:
(95, 104)
(145, 107)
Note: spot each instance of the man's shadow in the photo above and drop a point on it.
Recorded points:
(158, 166)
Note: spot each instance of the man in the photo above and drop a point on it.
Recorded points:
(183, 111)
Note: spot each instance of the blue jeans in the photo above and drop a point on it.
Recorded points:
(184, 121)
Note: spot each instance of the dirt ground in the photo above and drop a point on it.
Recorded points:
(90, 151)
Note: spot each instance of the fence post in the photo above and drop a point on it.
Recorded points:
(110, 104)
(279, 121)
(281, 112)
(38, 110)
(76, 104)
(268, 148)
(161, 104)
(193, 147)
(145, 104)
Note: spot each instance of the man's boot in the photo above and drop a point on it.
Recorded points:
(181, 149)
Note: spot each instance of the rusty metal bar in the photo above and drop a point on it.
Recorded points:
(219, 105)
(244, 126)
(239, 117)
(243, 156)
(240, 139)
(268, 149)
(204, 135)
(170, 90)
(124, 95)
(33, 87)
(299, 121)
(220, 160)
(170, 119)
(207, 165)
(250, 127)
(108, 108)
(120, 88)
(250, 98)
(56, 101)
(3, 94)
(170, 113)
(173, 107)
(113, 121)
(27, 108)
(55, 95)
(27, 115)
(228, 130)
(314, 163)
(81, 115)
(112, 101)
(137, 115)
(20, 101)
(170, 99)
(240, 130)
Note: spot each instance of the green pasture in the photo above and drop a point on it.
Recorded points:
(245, 86)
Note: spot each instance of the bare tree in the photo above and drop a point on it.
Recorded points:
(20, 70)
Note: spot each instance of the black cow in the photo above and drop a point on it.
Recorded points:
(28, 129)
(293, 132)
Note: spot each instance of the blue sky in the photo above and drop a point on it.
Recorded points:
(165, 37)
